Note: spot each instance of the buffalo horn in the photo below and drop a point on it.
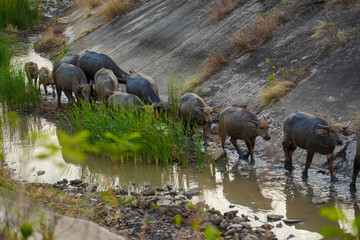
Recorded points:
(254, 121)
(324, 126)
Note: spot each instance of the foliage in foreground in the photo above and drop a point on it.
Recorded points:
(337, 215)
(20, 13)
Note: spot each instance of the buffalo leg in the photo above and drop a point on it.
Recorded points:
(234, 142)
(205, 128)
(330, 160)
(58, 92)
(53, 93)
(309, 158)
(250, 143)
(355, 173)
(288, 150)
(222, 134)
(45, 89)
(69, 96)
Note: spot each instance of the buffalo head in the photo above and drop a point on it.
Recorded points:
(333, 131)
(261, 128)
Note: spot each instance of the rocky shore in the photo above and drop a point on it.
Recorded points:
(163, 213)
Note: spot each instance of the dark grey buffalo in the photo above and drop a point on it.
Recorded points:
(126, 101)
(313, 134)
(91, 62)
(69, 79)
(105, 84)
(72, 59)
(195, 112)
(144, 87)
(239, 123)
(356, 164)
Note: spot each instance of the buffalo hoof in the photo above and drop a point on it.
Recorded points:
(289, 167)
(352, 188)
(304, 177)
(252, 162)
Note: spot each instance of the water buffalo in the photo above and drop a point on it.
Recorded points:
(313, 134)
(72, 59)
(240, 123)
(91, 62)
(32, 72)
(144, 87)
(105, 84)
(70, 78)
(356, 164)
(194, 111)
(46, 79)
(125, 100)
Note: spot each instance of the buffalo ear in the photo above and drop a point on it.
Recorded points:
(347, 132)
(251, 124)
(321, 131)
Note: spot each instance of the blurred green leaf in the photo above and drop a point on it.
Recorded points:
(178, 219)
(333, 214)
(212, 233)
(26, 230)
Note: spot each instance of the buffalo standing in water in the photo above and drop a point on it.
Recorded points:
(91, 62)
(240, 123)
(72, 59)
(127, 101)
(193, 110)
(313, 134)
(105, 84)
(356, 164)
(70, 78)
(32, 72)
(144, 87)
(46, 79)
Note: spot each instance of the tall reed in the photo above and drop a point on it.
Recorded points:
(15, 93)
(20, 13)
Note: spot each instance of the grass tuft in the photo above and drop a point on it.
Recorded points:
(221, 8)
(209, 67)
(269, 95)
(252, 36)
(114, 8)
(91, 4)
(328, 32)
(49, 41)
(85, 32)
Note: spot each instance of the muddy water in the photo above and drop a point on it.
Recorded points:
(255, 191)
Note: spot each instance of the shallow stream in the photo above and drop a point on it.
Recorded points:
(263, 189)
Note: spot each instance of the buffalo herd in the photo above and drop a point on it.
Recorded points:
(94, 75)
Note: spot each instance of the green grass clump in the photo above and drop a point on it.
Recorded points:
(14, 92)
(124, 135)
(21, 13)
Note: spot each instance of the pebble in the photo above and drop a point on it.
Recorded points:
(274, 217)
(75, 182)
(317, 201)
(40, 172)
(292, 221)
(192, 192)
(148, 192)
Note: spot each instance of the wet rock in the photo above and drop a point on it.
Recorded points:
(318, 201)
(93, 189)
(169, 187)
(192, 192)
(213, 211)
(224, 224)
(134, 194)
(267, 226)
(231, 206)
(160, 189)
(230, 232)
(93, 200)
(231, 214)
(250, 237)
(246, 225)
(40, 172)
(75, 182)
(79, 195)
(220, 153)
(148, 192)
(292, 221)
(279, 225)
(274, 217)
(122, 192)
(246, 218)
(236, 226)
(238, 220)
(164, 202)
(180, 189)
(290, 236)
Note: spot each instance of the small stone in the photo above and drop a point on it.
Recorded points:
(40, 172)
(134, 194)
(267, 226)
(169, 187)
(220, 153)
(224, 224)
(79, 195)
(192, 192)
(164, 202)
(290, 236)
(75, 182)
(231, 214)
(292, 221)
(238, 220)
(93, 200)
(230, 232)
(246, 225)
(236, 226)
(93, 189)
(279, 225)
(160, 189)
(317, 201)
(274, 217)
(148, 192)
(231, 206)
(123, 192)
